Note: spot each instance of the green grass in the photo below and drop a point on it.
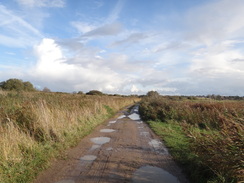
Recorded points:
(173, 137)
(179, 145)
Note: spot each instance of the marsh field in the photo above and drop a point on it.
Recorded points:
(205, 136)
(37, 126)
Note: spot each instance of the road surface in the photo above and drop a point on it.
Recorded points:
(122, 149)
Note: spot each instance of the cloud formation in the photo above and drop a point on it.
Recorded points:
(52, 64)
(131, 39)
(223, 20)
(15, 31)
(42, 3)
(199, 50)
(105, 30)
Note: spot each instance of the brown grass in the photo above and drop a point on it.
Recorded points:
(214, 128)
(32, 124)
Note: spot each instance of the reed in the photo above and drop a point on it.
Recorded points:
(213, 129)
(35, 126)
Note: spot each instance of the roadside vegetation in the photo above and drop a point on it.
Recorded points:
(205, 136)
(37, 126)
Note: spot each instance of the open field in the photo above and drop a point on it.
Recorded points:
(36, 126)
(205, 136)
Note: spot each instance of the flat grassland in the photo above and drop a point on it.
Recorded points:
(205, 136)
(37, 126)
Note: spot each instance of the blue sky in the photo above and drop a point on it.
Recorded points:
(190, 47)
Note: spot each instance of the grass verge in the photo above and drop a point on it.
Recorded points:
(205, 136)
(36, 127)
(179, 146)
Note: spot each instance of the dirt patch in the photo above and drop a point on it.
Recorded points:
(116, 156)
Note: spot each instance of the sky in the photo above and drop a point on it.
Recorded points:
(175, 47)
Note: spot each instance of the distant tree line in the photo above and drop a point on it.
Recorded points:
(219, 97)
(19, 85)
(155, 94)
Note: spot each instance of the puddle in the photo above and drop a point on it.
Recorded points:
(155, 143)
(109, 149)
(139, 122)
(144, 133)
(107, 130)
(150, 174)
(88, 158)
(158, 146)
(134, 116)
(122, 116)
(66, 181)
(112, 122)
(96, 146)
(100, 140)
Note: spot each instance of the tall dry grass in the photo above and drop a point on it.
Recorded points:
(214, 129)
(32, 124)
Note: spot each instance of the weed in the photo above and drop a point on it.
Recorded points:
(206, 136)
(36, 126)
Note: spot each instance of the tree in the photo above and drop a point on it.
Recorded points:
(94, 92)
(28, 86)
(152, 94)
(1, 84)
(17, 85)
(13, 84)
(45, 89)
(80, 92)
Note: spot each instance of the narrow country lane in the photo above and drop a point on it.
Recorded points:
(123, 149)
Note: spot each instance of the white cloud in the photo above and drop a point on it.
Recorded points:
(217, 59)
(14, 22)
(42, 3)
(202, 55)
(215, 21)
(15, 31)
(98, 4)
(108, 26)
(210, 42)
(134, 89)
(83, 27)
(72, 45)
(114, 15)
(105, 30)
(54, 69)
(131, 39)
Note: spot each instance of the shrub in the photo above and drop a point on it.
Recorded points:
(153, 94)
(94, 92)
(17, 85)
(46, 89)
(215, 129)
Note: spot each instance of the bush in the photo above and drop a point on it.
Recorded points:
(45, 89)
(80, 93)
(17, 85)
(153, 94)
(214, 129)
(94, 92)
